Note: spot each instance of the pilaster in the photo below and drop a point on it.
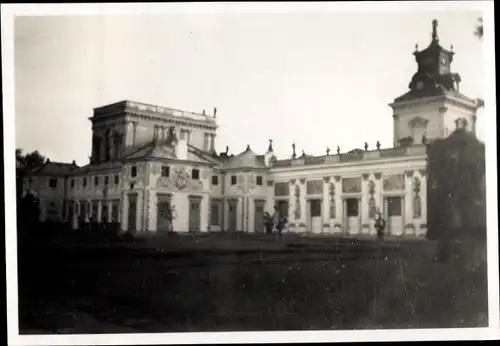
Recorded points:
(325, 212)
(364, 210)
(408, 202)
(339, 212)
(303, 202)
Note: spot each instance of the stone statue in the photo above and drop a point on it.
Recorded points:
(270, 149)
(424, 139)
(366, 146)
(294, 155)
(215, 112)
(327, 151)
(378, 145)
(338, 150)
(227, 149)
(172, 138)
(203, 112)
(303, 153)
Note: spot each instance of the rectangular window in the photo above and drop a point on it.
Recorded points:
(133, 171)
(352, 206)
(315, 207)
(394, 206)
(259, 180)
(195, 174)
(314, 187)
(96, 181)
(215, 213)
(165, 171)
(53, 183)
(282, 189)
(215, 180)
(84, 182)
(72, 183)
(106, 180)
(117, 179)
(233, 180)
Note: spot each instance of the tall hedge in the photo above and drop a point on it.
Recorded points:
(456, 200)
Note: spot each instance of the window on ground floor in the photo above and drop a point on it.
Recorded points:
(394, 206)
(315, 207)
(233, 180)
(352, 206)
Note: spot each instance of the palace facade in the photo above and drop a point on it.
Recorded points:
(147, 160)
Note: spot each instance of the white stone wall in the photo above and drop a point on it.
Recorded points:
(373, 171)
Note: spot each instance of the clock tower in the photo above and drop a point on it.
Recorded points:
(433, 105)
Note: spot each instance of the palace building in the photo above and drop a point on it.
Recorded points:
(149, 161)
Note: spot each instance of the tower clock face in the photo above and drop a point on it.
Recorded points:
(420, 85)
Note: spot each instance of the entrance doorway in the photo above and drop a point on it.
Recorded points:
(282, 208)
(194, 213)
(164, 213)
(351, 207)
(315, 224)
(394, 207)
(232, 208)
(259, 216)
(132, 212)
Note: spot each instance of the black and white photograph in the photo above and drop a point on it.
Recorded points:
(250, 172)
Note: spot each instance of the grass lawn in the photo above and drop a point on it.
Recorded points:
(240, 282)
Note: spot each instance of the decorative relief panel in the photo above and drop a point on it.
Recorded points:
(417, 202)
(297, 202)
(179, 180)
(394, 182)
(314, 187)
(351, 185)
(333, 211)
(282, 189)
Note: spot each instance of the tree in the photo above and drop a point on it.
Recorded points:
(24, 164)
(479, 28)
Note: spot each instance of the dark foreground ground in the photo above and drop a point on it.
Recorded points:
(231, 282)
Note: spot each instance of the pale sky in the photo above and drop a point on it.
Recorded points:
(318, 80)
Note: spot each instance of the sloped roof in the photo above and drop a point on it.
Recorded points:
(164, 151)
(55, 168)
(432, 92)
(95, 167)
(246, 160)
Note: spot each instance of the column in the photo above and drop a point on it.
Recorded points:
(408, 203)
(325, 212)
(212, 142)
(99, 211)
(364, 209)
(423, 197)
(124, 211)
(292, 202)
(339, 210)
(303, 203)
(270, 196)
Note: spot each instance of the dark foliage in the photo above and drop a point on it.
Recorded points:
(456, 188)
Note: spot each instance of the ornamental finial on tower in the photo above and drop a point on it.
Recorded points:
(434, 31)
(270, 149)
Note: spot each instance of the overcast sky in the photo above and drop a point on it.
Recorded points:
(318, 80)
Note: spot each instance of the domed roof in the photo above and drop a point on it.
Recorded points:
(247, 159)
